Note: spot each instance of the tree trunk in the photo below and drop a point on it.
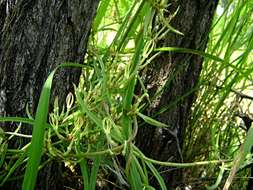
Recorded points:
(35, 37)
(177, 74)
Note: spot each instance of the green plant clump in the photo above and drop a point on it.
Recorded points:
(95, 130)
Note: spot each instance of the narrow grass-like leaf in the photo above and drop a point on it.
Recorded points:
(141, 172)
(218, 180)
(100, 13)
(134, 177)
(84, 108)
(36, 147)
(17, 119)
(129, 93)
(85, 173)
(192, 51)
(120, 30)
(84, 168)
(131, 26)
(203, 54)
(3, 150)
(151, 121)
(157, 176)
(138, 154)
(244, 150)
(94, 172)
(20, 160)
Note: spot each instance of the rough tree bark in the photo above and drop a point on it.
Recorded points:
(35, 37)
(177, 74)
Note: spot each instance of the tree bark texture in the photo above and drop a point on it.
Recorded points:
(177, 74)
(35, 37)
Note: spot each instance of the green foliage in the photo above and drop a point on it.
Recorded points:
(96, 128)
(214, 130)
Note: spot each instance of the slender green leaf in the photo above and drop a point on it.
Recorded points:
(94, 172)
(151, 121)
(36, 147)
(85, 109)
(103, 6)
(157, 176)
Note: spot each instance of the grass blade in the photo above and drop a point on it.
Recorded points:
(151, 121)
(94, 172)
(36, 147)
(100, 13)
(85, 109)
(244, 150)
(157, 176)
(85, 173)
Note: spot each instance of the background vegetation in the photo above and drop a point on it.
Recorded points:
(94, 133)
